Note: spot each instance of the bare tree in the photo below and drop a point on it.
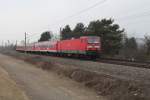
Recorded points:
(147, 44)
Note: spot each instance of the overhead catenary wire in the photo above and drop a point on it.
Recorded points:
(135, 16)
(137, 20)
(124, 18)
(76, 14)
(84, 10)
(130, 17)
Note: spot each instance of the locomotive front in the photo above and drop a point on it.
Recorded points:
(93, 48)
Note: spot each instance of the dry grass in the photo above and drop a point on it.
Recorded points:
(112, 87)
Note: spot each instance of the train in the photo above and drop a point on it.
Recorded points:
(85, 46)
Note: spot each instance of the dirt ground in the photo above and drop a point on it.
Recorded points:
(40, 85)
(114, 82)
(9, 89)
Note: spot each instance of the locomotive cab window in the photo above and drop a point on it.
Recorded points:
(83, 40)
(93, 39)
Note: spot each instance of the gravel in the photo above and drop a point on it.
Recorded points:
(117, 71)
(122, 82)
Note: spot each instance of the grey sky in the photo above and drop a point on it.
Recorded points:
(36, 16)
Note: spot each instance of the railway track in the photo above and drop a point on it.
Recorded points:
(139, 64)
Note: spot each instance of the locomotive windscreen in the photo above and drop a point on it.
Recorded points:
(93, 39)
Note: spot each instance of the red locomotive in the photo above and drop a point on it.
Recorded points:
(84, 46)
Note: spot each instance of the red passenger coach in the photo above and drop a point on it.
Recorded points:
(47, 46)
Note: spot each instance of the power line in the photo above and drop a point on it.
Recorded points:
(129, 17)
(33, 35)
(137, 21)
(134, 16)
(84, 10)
(78, 13)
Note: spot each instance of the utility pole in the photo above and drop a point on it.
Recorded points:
(8, 43)
(16, 44)
(2, 44)
(60, 33)
(5, 44)
(25, 41)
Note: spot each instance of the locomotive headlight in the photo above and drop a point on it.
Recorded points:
(89, 46)
(96, 46)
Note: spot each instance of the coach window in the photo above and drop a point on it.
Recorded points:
(82, 40)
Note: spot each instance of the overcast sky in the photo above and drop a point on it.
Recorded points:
(36, 16)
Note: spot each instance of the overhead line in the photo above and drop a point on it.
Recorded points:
(143, 14)
(78, 13)
(84, 10)
(134, 16)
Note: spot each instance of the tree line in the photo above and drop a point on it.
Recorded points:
(132, 49)
(114, 41)
(109, 32)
